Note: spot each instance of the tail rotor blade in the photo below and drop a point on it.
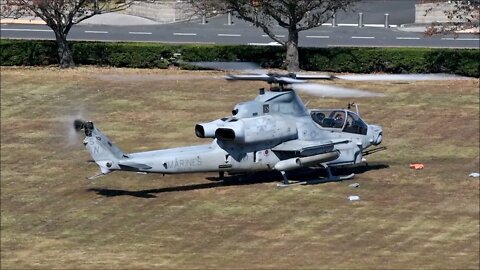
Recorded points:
(78, 124)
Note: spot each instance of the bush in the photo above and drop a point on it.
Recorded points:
(392, 60)
(27, 53)
(154, 55)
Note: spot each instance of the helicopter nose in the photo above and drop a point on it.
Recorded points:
(377, 134)
(379, 139)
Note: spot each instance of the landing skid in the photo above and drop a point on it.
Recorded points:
(330, 178)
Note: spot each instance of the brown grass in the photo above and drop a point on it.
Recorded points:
(51, 217)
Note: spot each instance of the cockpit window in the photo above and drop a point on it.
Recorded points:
(318, 117)
(339, 119)
(355, 124)
(329, 119)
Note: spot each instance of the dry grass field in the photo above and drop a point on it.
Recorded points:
(52, 217)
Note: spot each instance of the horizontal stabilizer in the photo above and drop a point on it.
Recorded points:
(132, 166)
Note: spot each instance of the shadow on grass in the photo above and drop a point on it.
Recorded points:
(239, 180)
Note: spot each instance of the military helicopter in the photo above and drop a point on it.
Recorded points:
(273, 132)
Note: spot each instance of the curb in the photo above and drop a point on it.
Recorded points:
(419, 28)
(22, 21)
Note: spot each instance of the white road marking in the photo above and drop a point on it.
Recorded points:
(378, 25)
(363, 37)
(462, 39)
(96, 32)
(407, 38)
(317, 36)
(140, 33)
(184, 34)
(26, 30)
(398, 46)
(356, 25)
(229, 35)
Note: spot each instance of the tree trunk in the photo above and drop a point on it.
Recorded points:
(65, 57)
(293, 64)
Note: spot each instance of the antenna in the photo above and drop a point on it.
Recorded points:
(356, 107)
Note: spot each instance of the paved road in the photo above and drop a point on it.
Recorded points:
(191, 32)
(216, 31)
(400, 12)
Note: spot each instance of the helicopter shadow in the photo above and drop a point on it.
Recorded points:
(316, 176)
(216, 182)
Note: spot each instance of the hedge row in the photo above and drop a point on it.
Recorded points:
(154, 55)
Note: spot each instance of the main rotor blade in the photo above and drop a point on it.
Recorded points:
(263, 77)
(399, 77)
(288, 80)
(248, 77)
(314, 77)
(333, 91)
(245, 66)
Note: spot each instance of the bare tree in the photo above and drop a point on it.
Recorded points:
(293, 15)
(60, 16)
(462, 14)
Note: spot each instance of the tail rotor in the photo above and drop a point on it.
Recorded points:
(78, 124)
(87, 126)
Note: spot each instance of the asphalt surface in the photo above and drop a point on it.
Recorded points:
(116, 27)
(191, 32)
(400, 12)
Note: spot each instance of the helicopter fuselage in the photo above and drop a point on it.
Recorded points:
(275, 131)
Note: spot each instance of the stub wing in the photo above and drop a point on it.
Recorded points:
(307, 153)
(301, 148)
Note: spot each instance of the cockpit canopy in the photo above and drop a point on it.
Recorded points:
(343, 120)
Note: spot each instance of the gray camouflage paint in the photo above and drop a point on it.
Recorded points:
(274, 127)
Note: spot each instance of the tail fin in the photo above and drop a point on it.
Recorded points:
(102, 150)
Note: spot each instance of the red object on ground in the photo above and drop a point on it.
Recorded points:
(417, 166)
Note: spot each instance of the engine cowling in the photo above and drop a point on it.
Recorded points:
(257, 130)
(207, 130)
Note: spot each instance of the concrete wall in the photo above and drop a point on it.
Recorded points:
(162, 12)
(437, 14)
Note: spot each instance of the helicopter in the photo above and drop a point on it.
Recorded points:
(273, 132)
